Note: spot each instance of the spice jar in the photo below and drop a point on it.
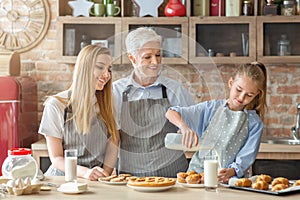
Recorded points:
(19, 164)
(247, 8)
(288, 8)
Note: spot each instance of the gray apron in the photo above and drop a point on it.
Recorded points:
(91, 146)
(143, 129)
(226, 133)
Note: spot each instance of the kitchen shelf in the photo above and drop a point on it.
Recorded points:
(169, 29)
(98, 29)
(269, 31)
(222, 35)
(197, 35)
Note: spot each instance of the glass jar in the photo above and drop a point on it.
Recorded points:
(284, 47)
(288, 8)
(19, 164)
(247, 8)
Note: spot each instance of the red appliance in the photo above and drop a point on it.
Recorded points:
(18, 113)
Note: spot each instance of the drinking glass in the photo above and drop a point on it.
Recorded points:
(211, 172)
(71, 165)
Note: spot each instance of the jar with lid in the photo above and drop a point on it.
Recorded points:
(288, 8)
(247, 8)
(19, 164)
(284, 47)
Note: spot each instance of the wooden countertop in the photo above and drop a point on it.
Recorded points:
(97, 190)
(279, 151)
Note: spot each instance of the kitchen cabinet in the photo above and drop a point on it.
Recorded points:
(97, 29)
(269, 32)
(232, 40)
(174, 32)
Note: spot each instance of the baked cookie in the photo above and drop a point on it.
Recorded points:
(108, 178)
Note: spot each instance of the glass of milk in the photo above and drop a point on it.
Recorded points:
(70, 165)
(211, 172)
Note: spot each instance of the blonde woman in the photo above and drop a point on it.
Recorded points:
(81, 118)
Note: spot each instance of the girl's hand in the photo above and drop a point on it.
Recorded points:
(225, 174)
(95, 173)
(189, 137)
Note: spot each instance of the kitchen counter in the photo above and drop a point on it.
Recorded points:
(97, 190)
(279, 152)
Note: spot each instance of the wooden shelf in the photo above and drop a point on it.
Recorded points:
(198, 34)
(165, 26)
(223, 35)
(96, 28)
(269, 31)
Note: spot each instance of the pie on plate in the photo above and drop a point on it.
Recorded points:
(151, 181)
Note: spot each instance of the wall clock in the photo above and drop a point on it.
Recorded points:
(23, 24)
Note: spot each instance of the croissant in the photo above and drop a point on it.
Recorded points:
(297, 183)
(279, 187)
(280, 180)
(265, 178)
(260, 185)
(243, 182)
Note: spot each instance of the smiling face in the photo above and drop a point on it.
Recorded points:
(102, 71)
(242, 91)
(146, 63)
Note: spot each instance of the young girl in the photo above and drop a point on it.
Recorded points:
(234, 124)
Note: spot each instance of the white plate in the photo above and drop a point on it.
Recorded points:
(70, 191)
(191, 185)
(150, 189)
(113, 183)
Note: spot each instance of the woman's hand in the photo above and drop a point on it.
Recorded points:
(225, 174)
(189, 137)
(95, 173)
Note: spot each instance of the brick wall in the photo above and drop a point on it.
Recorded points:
(203, 82)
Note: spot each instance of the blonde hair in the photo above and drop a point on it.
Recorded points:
(83, 92)
(258, 73)
(137, 38)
